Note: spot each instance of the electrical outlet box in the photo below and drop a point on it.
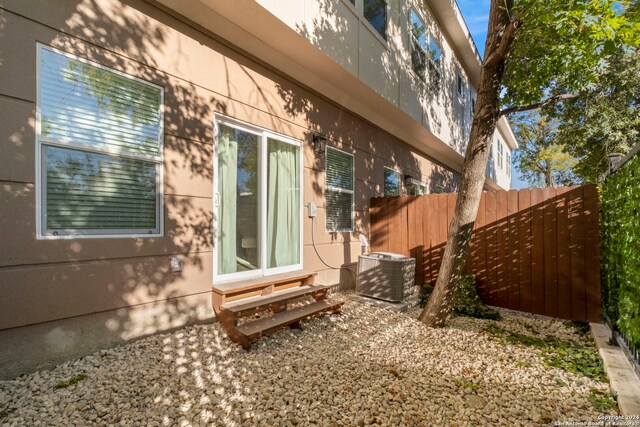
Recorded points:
(176, 264)
(312, 210)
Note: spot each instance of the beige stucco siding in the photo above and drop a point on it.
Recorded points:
(49, 280)
(341, 32)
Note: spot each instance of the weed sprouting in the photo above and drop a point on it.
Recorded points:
(566, 355)
(71, 381)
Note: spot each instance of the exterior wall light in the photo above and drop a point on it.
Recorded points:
(319, 142)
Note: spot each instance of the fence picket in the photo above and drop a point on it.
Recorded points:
(534, 250)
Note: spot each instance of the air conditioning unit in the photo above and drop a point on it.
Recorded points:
(386, 276)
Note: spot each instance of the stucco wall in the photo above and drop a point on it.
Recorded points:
(47, 280)
(339, 29)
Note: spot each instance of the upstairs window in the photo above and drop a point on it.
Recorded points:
(417, 188)
(99, 137)
(418, 45)
(339, 190)
(500, 154)
(461, 87)
(435, 53)
(435, 62)
(508, 164)
(391, 182)
(425, 51)
(375, 12)
(472, 112)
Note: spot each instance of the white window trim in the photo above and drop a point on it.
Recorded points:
(41, 233)
(399, 181)
(342, 190)
(264, 134)
(417, 184)
(358, 10)
(424, 49)
(500, 156)
(436, 67)
(461, 87)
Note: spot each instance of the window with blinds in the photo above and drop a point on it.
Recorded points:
(99, 136)
(339, 190)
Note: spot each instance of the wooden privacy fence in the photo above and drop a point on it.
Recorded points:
(534, 250)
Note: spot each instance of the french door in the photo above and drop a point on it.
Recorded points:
(258, 207)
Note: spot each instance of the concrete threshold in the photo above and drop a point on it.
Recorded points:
(622, 377)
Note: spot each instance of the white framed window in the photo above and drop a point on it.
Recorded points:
(426, 52)
(392, 182)
(461, 87)
(99, 137)
(339, 190)
(435, 62)
(375, 13)
(508, 164)
(417, 188)
(500, 154)
(419, 36)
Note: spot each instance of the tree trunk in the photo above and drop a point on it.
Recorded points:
(548, 176)
(499, 41)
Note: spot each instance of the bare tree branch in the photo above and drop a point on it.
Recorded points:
(536, 105)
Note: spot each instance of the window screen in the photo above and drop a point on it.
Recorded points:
(339, 190)
(99, 137)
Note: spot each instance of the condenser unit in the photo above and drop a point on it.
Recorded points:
(386, 276)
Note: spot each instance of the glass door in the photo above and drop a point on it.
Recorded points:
(238, 245)
(283, 206)
(258, 203)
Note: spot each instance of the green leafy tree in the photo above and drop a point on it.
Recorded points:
(604, 118)
(540, 159)
(537, 53)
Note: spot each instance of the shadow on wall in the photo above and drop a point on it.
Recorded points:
(374, 148)
(134, 37)
(332, 32)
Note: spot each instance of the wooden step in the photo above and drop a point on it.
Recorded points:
(277, 299)
(254, 329)
(259, 283)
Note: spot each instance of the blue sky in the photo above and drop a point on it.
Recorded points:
(476, 14)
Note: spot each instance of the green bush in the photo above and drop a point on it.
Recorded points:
(620, 243)
(466, 301)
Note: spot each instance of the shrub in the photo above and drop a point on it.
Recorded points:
(620, 243)
(466, 301)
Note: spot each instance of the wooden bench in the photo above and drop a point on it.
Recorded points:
(232, 301)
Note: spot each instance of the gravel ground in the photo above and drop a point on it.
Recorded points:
(366, 366)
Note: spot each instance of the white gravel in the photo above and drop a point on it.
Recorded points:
(366, 366)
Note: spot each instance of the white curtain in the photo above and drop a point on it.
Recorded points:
(227, 187)
(283, 205)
